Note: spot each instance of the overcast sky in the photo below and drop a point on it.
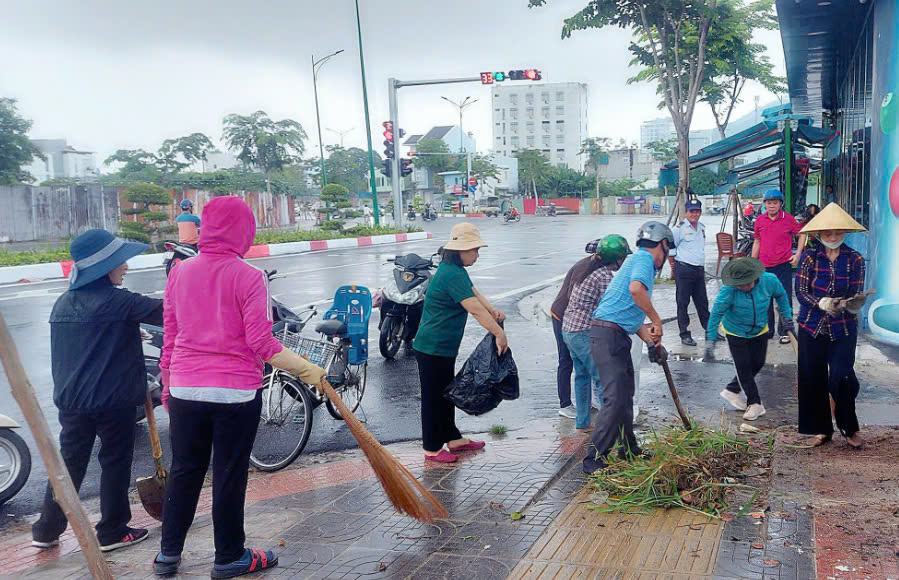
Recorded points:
(110, 74)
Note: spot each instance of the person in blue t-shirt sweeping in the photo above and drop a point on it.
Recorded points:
(621, 312)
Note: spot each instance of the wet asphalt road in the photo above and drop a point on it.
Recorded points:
(521, 258)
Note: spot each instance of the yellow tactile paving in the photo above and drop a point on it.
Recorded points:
(585, 543)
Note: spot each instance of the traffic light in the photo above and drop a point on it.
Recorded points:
(388, 168)
(405, 167)
(389, 151)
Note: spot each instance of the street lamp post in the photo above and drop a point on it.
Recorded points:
(467, 102)
(340, 133)
(316, 65)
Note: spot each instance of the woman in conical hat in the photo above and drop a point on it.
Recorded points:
(829, 285)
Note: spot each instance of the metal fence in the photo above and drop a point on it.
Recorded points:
(29, 213)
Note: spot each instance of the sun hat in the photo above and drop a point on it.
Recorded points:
(692, 204)
(773, 194)
(832, 217)
(464, 236)
(742, 271)
(96, 253)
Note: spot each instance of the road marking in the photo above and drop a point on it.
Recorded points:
(528, 288)
(46, 292)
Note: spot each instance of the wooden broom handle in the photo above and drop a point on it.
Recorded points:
(154, 434)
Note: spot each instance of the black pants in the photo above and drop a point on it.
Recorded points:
(749, 358)
(566, 365)
(196, 429)
(825, 371)
(784, 273)
(611, 350)
(76, 441)
(438, 414)
(690, 284)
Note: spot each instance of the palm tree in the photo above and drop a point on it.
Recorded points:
(533, 167)
(264, 144)
(596, 148)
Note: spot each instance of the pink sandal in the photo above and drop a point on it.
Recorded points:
(443, 456)
(472, 445)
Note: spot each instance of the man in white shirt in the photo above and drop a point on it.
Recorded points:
(689, 270)
(366, 211)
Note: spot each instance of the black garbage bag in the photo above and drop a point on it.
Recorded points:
(486, 379)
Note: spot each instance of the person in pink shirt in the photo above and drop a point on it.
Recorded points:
(218, 334)
(773, 245)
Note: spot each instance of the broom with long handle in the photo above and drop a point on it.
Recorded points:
(405, 492)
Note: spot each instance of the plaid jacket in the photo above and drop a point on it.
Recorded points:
(584, 298)
(819, 277)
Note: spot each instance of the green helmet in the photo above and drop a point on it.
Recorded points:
(613, 248)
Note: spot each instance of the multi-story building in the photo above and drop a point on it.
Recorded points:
(629, 163)
(62, 161)
(661, 129)
(551, 118)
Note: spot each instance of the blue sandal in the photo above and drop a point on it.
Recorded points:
(253, 560)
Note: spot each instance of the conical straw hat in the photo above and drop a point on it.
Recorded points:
(832, 217)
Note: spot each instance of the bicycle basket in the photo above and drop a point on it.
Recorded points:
(318, 352)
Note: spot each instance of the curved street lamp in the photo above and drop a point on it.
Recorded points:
(316, 65)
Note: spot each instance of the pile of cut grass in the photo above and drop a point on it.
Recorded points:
(688, 469)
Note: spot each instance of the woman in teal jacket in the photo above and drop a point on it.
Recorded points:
(741, 308)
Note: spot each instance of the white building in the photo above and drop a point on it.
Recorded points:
(452, 136)
(661, 129)
(218, 159)
(62, 162)
(629, 163)
(551, 118)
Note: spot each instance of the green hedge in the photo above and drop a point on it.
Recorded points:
(61, 253)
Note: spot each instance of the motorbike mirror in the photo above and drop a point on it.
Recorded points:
(170, 246)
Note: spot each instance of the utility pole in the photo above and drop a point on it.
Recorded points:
(318, 121)
(371, 154)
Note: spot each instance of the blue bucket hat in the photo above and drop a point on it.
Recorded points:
(773, 194)
(96, 253)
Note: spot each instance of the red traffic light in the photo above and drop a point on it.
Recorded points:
(388, 130)
(532, 74)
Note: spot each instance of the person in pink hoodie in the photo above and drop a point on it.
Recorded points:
(217, 322)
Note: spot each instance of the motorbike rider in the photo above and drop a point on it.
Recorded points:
(411, 210)
(188, 224)
(99, 378)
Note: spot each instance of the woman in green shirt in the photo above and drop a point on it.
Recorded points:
(448, 301)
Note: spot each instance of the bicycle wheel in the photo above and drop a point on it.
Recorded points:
(284, 424)
(351, 390)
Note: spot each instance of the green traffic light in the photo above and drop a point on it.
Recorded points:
(499, 76)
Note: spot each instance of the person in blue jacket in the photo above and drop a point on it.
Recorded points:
(741, 308)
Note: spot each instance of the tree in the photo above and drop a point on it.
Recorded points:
(733, 58)
(177, 154)
(264, 144)
(145, 194)
(670, 45)
(663, 151)
(533, 168)
(348, 167)
(335, 196)
(434, 154)
(702, 181)
(16, 149)
(595, 150)
(481, 167)
(133, 160)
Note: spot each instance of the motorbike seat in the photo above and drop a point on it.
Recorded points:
(332, 327)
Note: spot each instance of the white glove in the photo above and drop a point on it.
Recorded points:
(296, 365)
(830, 305)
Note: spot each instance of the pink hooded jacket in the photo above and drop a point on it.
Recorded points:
(217, 309)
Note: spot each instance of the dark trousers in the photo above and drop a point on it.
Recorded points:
(76, 441)
(825, 371)
(438, 414)
(749, 358)
(196, 429)
(566, 365)
(784, 273)
(611, 350)
(690, 284)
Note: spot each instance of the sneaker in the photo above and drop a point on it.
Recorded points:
(688, 341)
(754, 411)
(253, 560)
(569, 412)
(45, 544)
(134, 536)
(736, 401)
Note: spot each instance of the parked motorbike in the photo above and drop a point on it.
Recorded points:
(429, 214)
(402, 302)
(152, 337)
(15, 460)
(177, 252)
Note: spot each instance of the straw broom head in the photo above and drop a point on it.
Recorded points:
(405, 492)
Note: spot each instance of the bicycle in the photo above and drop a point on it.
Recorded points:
(285, 422)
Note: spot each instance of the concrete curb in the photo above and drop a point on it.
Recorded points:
(51, 270)
(461, 215)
